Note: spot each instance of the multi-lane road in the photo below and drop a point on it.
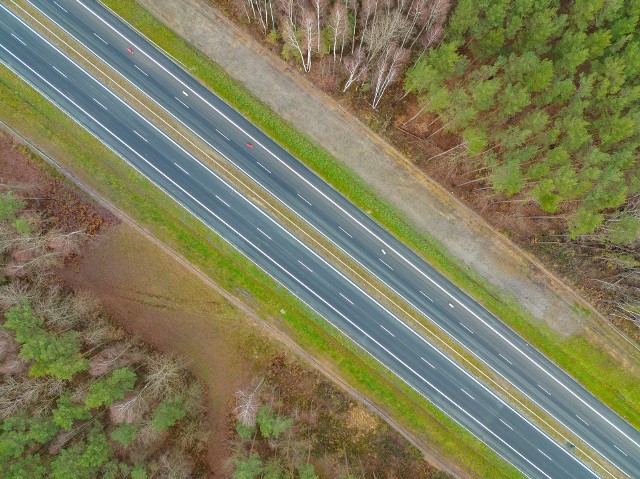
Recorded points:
(295, 265)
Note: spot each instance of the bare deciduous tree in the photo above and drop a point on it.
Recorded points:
(387, 71)
(247, 405)
(165, 375)
(339, 26)
(128, 410)
(319, 6)
(384, 30)
(28, 394)
(356, 67)
(174, 465)
(298, 31)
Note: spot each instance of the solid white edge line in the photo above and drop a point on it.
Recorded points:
(367, 229)
(312, 292)
(261, 145)
(280, 226)
(418, 309)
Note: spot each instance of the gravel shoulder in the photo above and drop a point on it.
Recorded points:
(432, 209)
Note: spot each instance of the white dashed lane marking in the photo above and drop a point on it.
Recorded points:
(223, 201)
(100, 38)
(141, 136)
(506, 424)
(343, 230)
(386, 264)
(59, 71)
(582, 420)
(223, 135)
(183, 103)
(267, 170)
(100, 104)
(500, 354)
(183, 170)
(263, 233)
(465, 327)
(345, 298)
(310, 270)
(304, 199)
(544, 455)
(140, 70)
(60, 7)
(426, 296)
(18, 39)
(544, 390)
(387, 330)
(427, 362)
(620, 450)
(467, 394)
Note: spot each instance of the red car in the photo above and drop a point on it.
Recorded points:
(130, 51)
(249, 145)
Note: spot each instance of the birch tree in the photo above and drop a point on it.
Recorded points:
(320, 6)
(356, 67)
(338, 24)
(388, 70)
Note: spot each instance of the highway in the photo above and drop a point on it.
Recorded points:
(319, 285)
(308, 196)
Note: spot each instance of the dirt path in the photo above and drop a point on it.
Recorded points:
(432, 209)
(162, 302)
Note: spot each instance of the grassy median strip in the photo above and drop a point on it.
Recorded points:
(597, 370)
(95, 165)
(112, 79)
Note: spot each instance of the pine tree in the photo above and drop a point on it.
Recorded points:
(111, 388)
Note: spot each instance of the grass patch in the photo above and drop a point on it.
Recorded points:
(607, 378)
(93, 164)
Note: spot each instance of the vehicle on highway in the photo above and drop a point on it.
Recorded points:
(249, 145)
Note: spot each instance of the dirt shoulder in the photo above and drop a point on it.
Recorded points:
(432, 209)
(158, 297)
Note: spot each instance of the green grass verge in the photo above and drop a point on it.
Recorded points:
(606, 377)
(95, 165)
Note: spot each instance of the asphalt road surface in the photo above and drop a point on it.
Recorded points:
(305, 274)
